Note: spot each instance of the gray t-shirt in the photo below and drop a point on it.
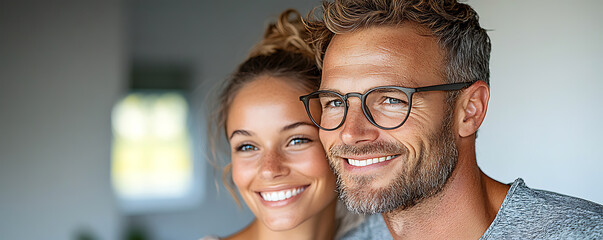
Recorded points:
(536, 214)
(373, 227)
(525, 214)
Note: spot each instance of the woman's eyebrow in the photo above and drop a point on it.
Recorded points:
(297, 124)
(240, 132)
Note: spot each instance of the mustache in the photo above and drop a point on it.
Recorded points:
(386, 148)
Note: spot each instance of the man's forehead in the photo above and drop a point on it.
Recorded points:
(391, 55)
(370, 75)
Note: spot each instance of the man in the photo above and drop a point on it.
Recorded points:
(405, 87)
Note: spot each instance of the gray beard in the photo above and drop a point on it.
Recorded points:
(412, 185)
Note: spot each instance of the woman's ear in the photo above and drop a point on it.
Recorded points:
(471, 108)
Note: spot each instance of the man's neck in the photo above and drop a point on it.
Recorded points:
(464, 209)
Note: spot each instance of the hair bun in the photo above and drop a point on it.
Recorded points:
(287, 34)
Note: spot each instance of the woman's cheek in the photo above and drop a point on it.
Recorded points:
(316, 163)
(242, 173)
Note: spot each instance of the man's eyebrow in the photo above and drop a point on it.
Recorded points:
(410, 83)
(241, 132)
(331, 90)
(297, 124)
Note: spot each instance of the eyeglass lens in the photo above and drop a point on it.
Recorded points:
(387, 107)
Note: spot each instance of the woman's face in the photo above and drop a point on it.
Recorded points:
(278, 162)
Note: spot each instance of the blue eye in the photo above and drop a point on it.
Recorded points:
(393, 101)
(335, 103)
(246, 148)
(297, 141)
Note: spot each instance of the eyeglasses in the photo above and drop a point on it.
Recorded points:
(386, 107)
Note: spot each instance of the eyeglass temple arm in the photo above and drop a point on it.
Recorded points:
(444, 87)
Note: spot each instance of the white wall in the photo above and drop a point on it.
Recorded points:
(545, 119)
(60, 71)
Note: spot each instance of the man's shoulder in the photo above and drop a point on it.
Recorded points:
(534, 213)
(552, 205)
(373, 227)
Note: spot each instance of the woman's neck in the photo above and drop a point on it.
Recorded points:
(320, 226)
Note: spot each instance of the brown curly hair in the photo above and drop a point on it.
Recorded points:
(455, 25)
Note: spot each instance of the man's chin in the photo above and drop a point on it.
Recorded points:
(361, 201)
(364, 183)
(366, 197)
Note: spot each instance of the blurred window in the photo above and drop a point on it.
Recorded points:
(152, 163)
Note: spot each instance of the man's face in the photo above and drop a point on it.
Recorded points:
(421, 154)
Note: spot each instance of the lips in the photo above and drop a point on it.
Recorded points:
(274, 196)
(369, 161)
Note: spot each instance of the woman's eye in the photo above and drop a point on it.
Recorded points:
(246, 148)
(297, 141)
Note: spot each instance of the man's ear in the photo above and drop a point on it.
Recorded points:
(471, 108)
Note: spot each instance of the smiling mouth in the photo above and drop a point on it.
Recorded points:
(370, 161)
(282, 194)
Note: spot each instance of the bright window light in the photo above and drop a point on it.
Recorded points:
(152, 163)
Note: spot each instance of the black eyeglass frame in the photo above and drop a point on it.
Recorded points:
(408, 91)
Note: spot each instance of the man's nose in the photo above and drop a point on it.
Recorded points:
(272, 165)
(357, 128)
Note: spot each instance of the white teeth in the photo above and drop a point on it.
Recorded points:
(370, 161)
(281, 195)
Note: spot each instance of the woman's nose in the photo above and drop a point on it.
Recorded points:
(273, 166)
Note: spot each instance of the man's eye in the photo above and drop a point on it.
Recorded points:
(297, 141)
(335, 103)
(393, 101)
(246, 148)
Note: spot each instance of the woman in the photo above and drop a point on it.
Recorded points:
(278, 163)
